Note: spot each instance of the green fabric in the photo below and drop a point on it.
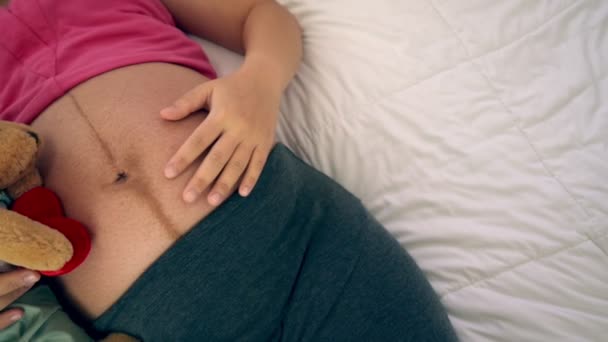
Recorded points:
(5, 200)
(44, 320)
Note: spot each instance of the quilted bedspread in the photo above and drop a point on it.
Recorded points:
(476, 131)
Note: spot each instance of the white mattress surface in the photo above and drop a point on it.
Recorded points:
(476, 131)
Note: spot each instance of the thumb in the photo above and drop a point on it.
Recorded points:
(188, 103)
(8, 317)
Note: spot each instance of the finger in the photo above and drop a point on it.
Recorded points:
(256, 165)
(8, 317)
(202, 137)
(190, 102)
(15, 280)
(230, 175)
(212, 165)
(8, 299)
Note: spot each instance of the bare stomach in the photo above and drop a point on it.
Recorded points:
(104, 153)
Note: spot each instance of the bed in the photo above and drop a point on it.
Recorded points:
(476, 131)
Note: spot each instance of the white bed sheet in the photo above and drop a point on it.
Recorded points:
(476, 131)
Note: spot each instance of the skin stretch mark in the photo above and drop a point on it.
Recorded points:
(140, 186)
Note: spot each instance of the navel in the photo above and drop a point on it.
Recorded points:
(125, 179)
(121, 177)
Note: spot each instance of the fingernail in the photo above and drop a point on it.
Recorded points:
(30, 279)
(245, 191)
(215, 199)
(170, 171)
(15, 317)
(190, 196)
(167, 111)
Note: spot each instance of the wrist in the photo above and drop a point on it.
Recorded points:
(267, 71)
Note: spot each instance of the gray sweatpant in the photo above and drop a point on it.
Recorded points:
(298, 260)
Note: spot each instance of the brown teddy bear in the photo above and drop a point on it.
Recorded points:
(25, 242)
(35, 235)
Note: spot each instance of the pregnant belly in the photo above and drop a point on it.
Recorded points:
(104, 151)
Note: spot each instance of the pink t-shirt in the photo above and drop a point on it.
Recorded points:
(49, 46)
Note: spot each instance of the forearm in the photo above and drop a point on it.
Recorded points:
(272, 43)
(266, 32)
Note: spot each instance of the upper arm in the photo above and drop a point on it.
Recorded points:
(220, 21)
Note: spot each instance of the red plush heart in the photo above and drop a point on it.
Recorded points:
(38, 203)
(42, 205)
